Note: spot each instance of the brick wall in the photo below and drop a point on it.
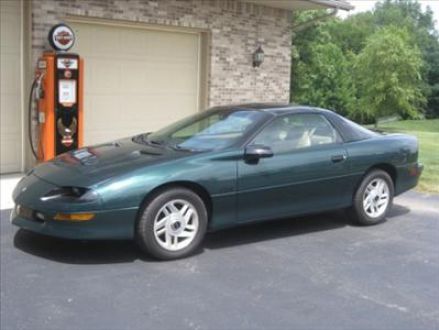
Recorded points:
(235, 28)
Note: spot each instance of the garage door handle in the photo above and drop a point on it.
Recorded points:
(338, 158)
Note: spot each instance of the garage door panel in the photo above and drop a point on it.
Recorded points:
(159, 108)
(104, 112)
(183, 81)
(10, 87)
(11, 114)
(10, 72)
(10, 25)
(136, 80)
(134, 42)
(98, 76)
(10, 155)
(186, 44)
(106, 40)
(136, 77)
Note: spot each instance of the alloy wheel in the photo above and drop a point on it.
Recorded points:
(376, 198)
(176, 225)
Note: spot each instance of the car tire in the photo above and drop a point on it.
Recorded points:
(172, 224)
(373, 198)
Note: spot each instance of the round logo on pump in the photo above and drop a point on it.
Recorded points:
(61, 37)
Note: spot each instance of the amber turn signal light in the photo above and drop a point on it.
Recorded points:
(74, 216)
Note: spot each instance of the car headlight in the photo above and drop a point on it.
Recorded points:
(71, 194)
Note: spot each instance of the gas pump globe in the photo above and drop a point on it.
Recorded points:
(58, 89)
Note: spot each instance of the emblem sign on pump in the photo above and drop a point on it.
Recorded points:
(61, 37)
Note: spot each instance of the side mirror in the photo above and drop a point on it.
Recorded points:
(257, 151)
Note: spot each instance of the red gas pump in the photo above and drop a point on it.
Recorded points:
(58, 89)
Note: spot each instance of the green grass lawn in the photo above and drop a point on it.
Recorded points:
(427, 132)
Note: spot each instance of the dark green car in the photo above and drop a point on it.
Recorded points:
(220, 168)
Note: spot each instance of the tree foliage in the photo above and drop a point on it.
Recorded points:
(326, 79)
(385, 61)
(388, 74)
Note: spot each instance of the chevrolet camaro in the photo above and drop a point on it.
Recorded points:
(219, 168)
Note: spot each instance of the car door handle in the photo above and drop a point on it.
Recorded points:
(338, 158)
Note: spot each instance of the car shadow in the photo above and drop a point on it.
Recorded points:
(397, 210)
(112, 252)
(276, 229)
(76, 251)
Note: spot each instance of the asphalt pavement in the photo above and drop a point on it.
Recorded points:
(316, 272)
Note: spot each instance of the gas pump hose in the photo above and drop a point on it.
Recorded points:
(30, 136)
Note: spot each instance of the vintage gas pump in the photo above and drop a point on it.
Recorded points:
(58, 92)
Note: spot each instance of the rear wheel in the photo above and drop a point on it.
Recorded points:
(172, 225)
(373, 198)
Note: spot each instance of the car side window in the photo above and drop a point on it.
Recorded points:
(297, 131)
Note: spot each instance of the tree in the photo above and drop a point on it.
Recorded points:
(321, 71)
(388, 76)
(324, 53)
(351, 34)
(325, 79)
(408, 14)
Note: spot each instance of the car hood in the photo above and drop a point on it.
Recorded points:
(91, 165)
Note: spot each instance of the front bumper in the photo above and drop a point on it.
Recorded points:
(107, 224)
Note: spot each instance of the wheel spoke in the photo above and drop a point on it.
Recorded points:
(188, 215)
(190, 227)
(168, 239)
(184, 209)
(173, 208)
(160, 231)
(367, 199)
(367, 206)
(375, 209)
(379, 187)
(167, 210)
(161, 223)
(186, 234)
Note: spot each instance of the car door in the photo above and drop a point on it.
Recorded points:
(305, 174)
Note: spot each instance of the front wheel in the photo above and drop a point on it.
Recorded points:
(172, 224)
(373, 198)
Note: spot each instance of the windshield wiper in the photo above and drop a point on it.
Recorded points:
(155, 142)
(179, 147)
(142, 138)
(161, 143)
(145, 140)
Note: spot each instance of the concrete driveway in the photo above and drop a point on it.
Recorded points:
(317, 272)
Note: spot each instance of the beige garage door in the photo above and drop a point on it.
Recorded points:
(136, 79)
(10, 88)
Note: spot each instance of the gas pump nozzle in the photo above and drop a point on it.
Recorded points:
(39, 90)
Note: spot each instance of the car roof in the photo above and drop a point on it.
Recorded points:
(350, 131)
(275, 108)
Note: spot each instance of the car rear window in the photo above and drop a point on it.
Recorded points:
(352, 131)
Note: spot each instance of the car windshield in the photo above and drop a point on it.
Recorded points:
(213, 129)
